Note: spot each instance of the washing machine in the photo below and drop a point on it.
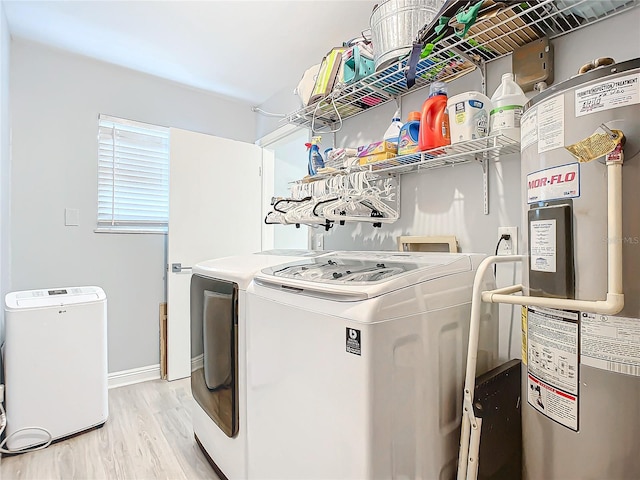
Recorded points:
(218, 384)
(356, 365)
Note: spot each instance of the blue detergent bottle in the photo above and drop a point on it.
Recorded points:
(409, 135)
(315, 157)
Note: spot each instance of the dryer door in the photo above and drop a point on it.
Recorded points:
(214, 339)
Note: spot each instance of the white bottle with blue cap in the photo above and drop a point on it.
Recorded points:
(393, 132)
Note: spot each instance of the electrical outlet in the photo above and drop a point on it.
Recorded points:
(510, 246)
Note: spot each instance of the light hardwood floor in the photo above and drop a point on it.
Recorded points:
(148, 436)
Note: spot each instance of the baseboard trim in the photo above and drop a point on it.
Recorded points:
(197, 362)
(135, 375)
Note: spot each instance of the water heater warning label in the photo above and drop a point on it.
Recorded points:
(354, 344)
(552, 351)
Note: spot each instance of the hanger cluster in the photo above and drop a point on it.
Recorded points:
(354, 197)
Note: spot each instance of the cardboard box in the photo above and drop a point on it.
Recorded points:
(378, 157)
(377, 148)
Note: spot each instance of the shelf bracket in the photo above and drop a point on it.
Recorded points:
(398, 100)
(479, 63)
(484, 162)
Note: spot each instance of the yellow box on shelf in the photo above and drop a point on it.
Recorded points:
(377, 157)
(377, 148)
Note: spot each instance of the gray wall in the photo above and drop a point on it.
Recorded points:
(282, 102)
(449, 200)
(55, 100)
(5, 165)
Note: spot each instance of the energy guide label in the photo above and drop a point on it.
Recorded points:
(552, 351)
(610, 343)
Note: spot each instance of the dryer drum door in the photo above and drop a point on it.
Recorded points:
(216, 336)
(214, 339)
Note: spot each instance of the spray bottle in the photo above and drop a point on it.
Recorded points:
(315, 158)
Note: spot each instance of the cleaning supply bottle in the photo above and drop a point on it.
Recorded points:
(507, 105)
(434, 121)
(393, 132)
(468, 116)
(409, 134)
(315, 158)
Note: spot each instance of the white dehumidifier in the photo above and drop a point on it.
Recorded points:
(55, 359)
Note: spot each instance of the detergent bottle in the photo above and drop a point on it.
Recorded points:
(409, 134)
(434, 121)
(506, 108)
(468, 116)
(393, 132)
(315, 158)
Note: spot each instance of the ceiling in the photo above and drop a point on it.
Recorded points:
(248, 50)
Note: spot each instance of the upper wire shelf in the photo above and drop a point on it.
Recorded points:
(489, 39)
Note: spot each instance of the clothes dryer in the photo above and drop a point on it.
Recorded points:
(218, 382)
(356, 365)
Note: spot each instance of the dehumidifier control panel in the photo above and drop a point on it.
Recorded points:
(53, 296)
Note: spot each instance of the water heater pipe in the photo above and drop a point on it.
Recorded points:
(614, 303)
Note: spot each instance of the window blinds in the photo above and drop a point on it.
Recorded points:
(133, 176)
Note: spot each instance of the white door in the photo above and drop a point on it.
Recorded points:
(214, 211)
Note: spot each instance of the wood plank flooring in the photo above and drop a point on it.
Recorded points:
(148, 436)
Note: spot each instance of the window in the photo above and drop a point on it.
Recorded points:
(133, 176)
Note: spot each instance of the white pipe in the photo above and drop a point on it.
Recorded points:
(612, 305)
(472, 355)
(476, 305)
(614, 301)
(505, 290)
(614, 228)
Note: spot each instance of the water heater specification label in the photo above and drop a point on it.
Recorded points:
(543, 245)
(610, 343)
(552, 344)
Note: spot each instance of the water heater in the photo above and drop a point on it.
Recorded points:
(581, 370)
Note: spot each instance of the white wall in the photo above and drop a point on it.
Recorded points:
(449, 200)
(5, 165)
(282, 102)
(55, 99)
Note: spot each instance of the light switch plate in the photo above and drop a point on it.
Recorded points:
(71, 217)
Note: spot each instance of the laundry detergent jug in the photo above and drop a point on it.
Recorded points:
(506, 108)
(434, 121)
(409, 135)
(468, 116)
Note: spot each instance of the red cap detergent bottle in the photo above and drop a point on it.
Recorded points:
(434, 120)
